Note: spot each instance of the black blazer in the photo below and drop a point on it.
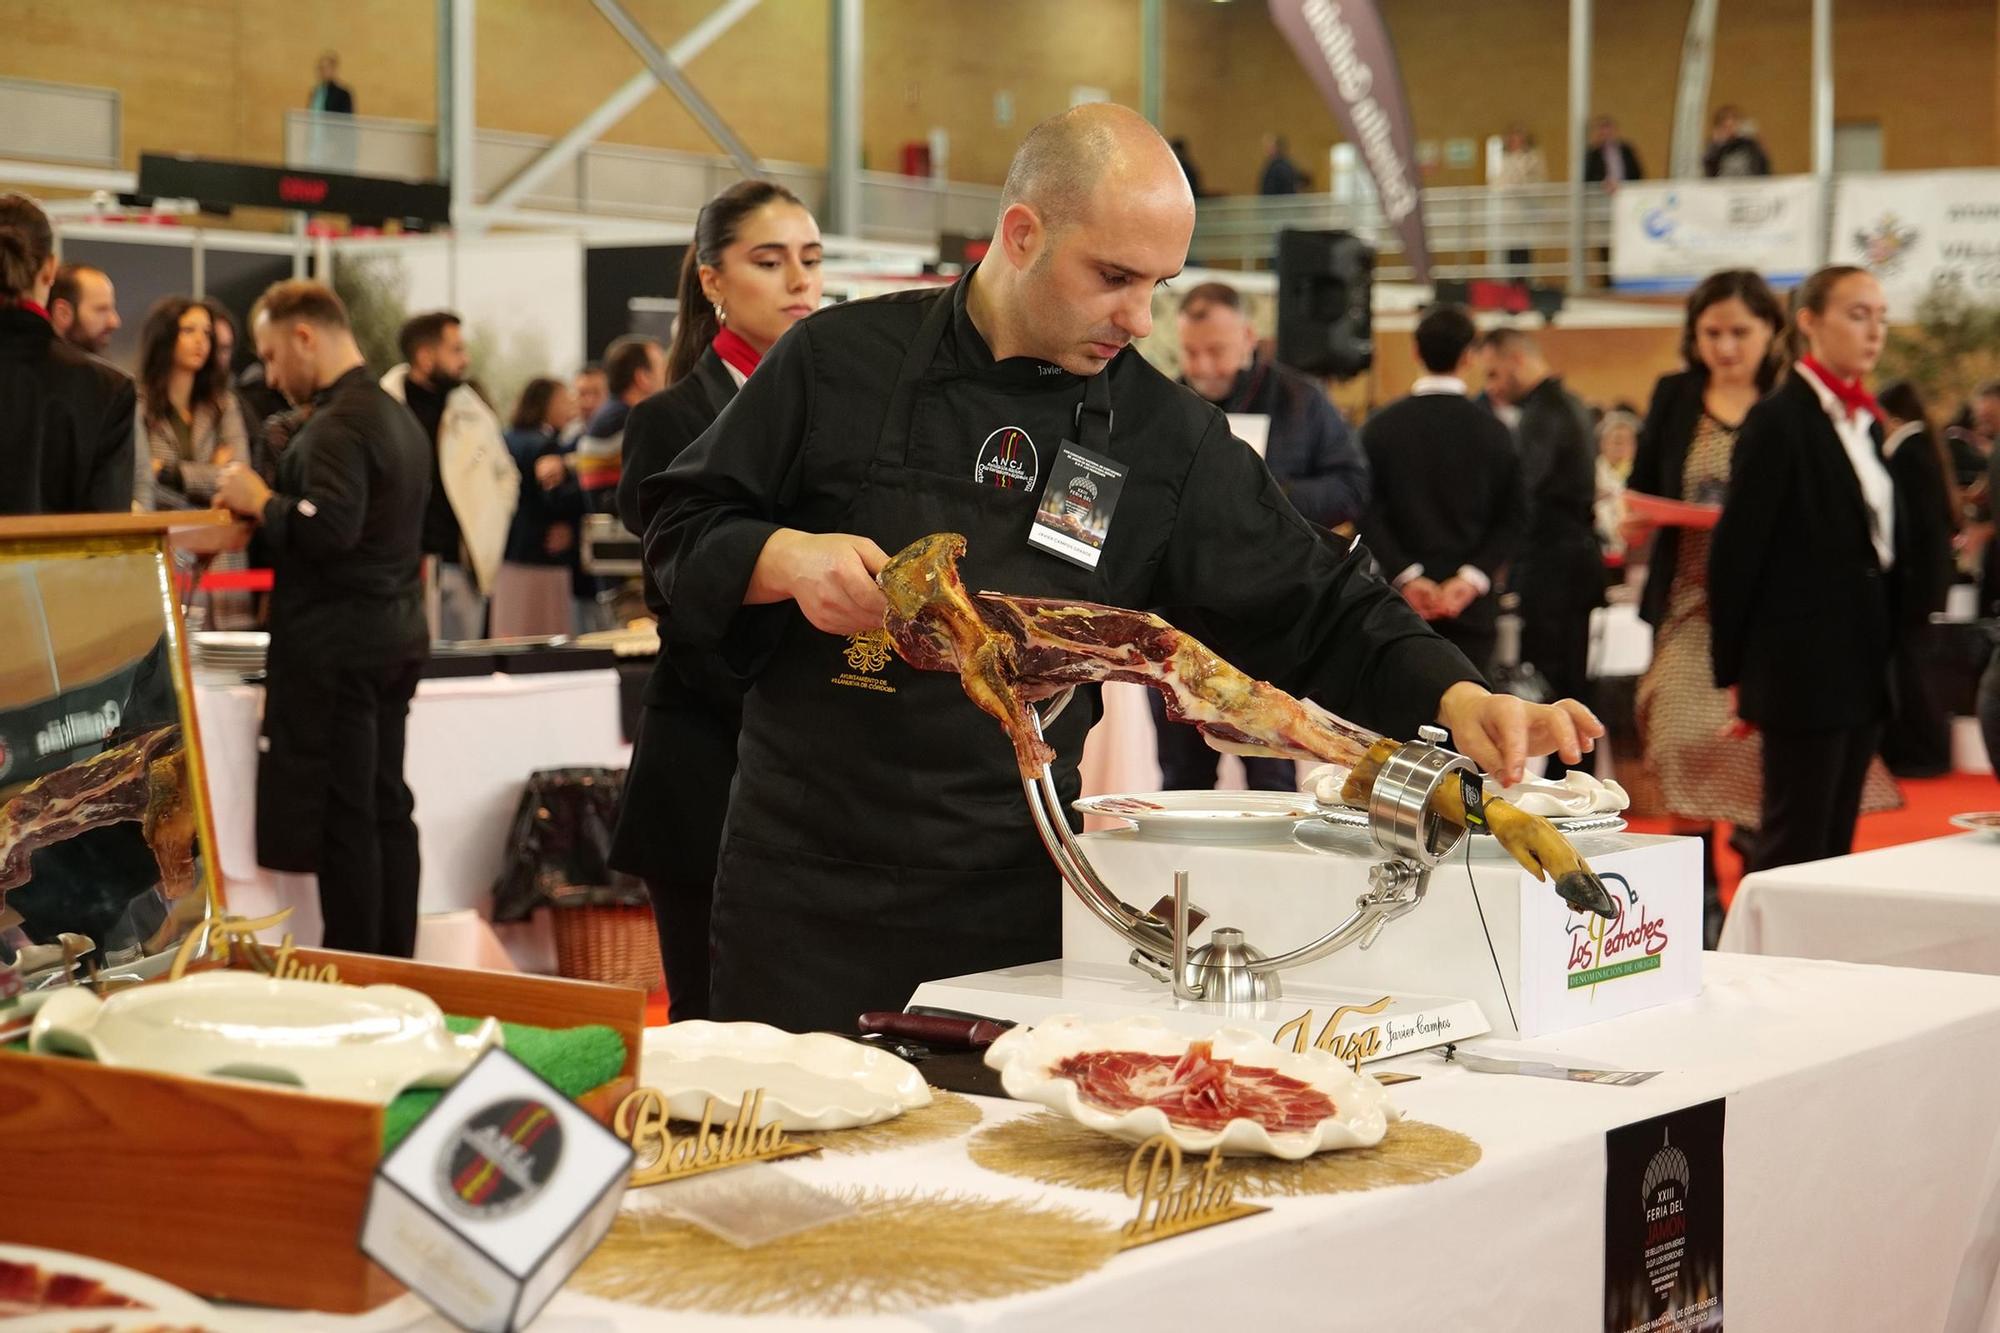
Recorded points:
(1923, 502)
(657, 432)
(66, 436)
(1664, 439)
(1477, 520)
(1803, 613)
(1594, 163)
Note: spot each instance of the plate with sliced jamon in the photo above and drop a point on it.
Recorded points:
(39, 1282)
(1135, 1077)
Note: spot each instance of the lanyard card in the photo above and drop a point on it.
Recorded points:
(1074, 516)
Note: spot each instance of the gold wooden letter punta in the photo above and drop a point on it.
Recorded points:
(658, 1155)
(1167, 1206)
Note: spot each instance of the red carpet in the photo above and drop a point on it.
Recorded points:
(1928, 803)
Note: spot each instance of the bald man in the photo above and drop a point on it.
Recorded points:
(877, 834)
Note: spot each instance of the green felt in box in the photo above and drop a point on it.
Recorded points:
(573, 1060)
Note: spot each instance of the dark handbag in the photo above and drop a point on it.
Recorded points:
(558, 845)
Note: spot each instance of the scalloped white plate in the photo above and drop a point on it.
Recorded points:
(810, 1080)
(1204, 816)
(163, 1302)
(1979, 821)
(366, 1043)
(1025, 1057)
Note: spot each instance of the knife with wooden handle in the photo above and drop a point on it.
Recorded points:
(969, 1033)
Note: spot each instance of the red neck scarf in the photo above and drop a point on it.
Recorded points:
(1851, 394)
(730, 346)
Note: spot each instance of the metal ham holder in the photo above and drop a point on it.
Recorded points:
(1228, 969)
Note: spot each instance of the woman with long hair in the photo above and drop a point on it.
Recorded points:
(533, 593)
(752, 272)
(1918, 741)
(1806, 570)
(193, 425)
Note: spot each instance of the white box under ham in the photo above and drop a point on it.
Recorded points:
(1547, 968)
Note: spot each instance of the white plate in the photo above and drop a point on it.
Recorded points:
(1205, 816)
(162, 1300)
(1979, 821)
(366, 1043)
(1025, 1057)
(810, 1081)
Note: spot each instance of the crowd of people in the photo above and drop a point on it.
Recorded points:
(1802, 533)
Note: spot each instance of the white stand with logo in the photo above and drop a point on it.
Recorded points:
(1546, 968)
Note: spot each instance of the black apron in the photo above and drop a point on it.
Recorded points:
(878, 836)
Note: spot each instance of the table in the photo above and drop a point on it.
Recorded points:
(1932, 904)
(473, 741)
(1863, 1110)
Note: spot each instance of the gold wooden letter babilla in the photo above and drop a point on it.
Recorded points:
(641, 1120)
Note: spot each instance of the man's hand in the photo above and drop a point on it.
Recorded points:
(558, 539)
(1500, 732)
(241, 490)
(550, 471)
(831, 575)
(1422, 595)
(1454, 595)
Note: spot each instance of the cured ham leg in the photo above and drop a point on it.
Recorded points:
(143, 780)
(1009, 651)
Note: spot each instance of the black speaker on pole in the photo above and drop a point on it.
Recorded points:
(1325, 286)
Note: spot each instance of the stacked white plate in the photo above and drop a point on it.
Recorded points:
(229, 652)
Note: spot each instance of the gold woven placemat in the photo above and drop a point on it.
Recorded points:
(948, 1116)
(1055, 1150)
(899, 1253)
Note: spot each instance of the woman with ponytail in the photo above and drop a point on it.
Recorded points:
(66, 440)
(752, 272)
(1805, 572)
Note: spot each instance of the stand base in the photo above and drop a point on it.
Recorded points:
(1350, 1023)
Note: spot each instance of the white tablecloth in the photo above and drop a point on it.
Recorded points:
(472, 743)
(1929, 904)
(1863, 1110)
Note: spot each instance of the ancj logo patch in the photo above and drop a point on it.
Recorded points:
(1601, 951)
(1008, 459)
(500, 1159)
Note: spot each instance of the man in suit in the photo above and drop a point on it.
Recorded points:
(83, 308)
(1447, 512)
(330, 96)
(1559, 566)
(1609, 162)
(1305, 444)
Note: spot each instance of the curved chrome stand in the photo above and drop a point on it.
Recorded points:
(1227, 969)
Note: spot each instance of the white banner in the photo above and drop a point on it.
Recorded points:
(1918, 231)
(1675, 233)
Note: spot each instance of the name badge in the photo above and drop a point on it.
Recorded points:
(1074, 516)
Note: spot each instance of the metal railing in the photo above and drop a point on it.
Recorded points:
(658, 184)
(1474, 231)
(60, 122)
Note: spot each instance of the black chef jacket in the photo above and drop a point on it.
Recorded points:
(881, 861)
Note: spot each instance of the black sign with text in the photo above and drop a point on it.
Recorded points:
(306, 189)
(1663, 1223)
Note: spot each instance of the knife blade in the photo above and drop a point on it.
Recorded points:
(965, 1034)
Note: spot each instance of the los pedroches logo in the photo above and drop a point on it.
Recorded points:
(1601, 951)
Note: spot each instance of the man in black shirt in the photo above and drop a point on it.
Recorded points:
(877, 833)
(1286, 417)
(1448, 507)
(1559, 566)
(348, 638)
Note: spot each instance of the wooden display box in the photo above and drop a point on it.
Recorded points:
(241, 1191)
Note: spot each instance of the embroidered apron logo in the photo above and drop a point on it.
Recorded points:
(1008, 459)
(868, 653)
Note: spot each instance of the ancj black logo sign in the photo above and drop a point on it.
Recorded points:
(501, 1158)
